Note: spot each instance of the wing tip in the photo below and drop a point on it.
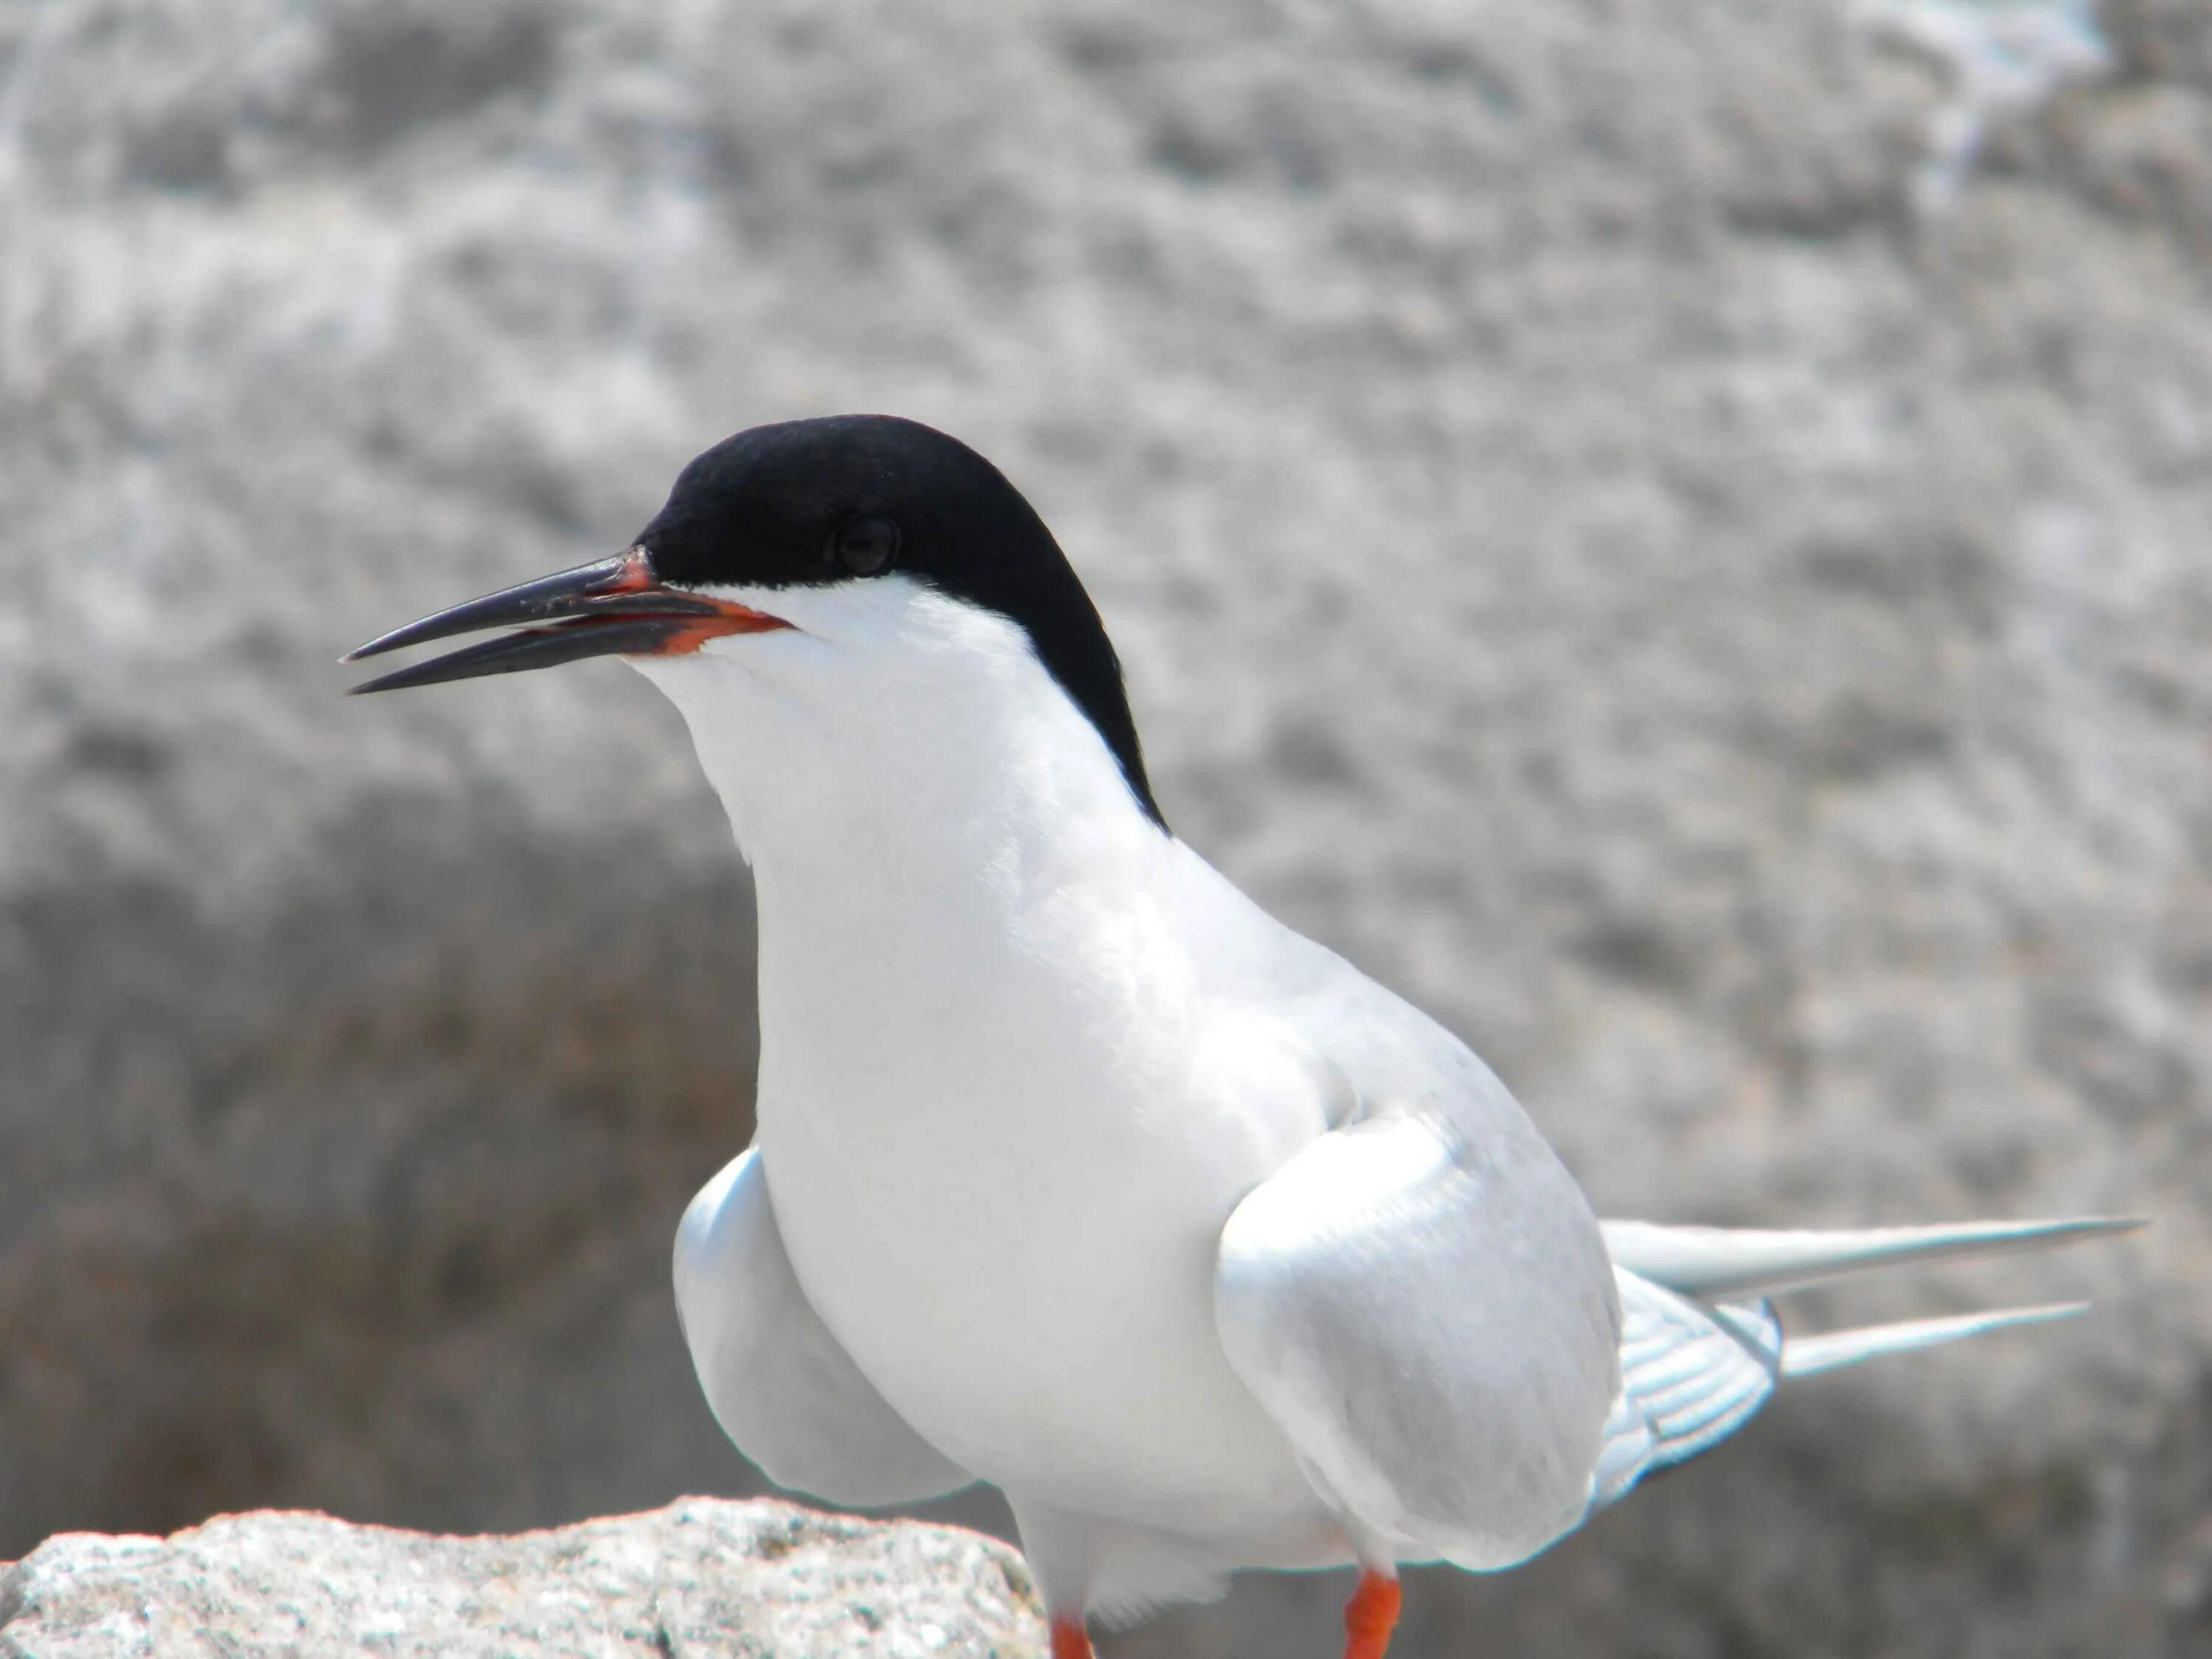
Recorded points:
(1713, 1262)
(1830, 1351)
(2084, 1226)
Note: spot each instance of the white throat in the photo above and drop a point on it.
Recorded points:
(894, 736)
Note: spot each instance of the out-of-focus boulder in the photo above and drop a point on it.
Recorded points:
(1587, 540)
(700, 1577)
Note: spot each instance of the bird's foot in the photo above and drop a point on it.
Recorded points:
(1369, 1617)
(1070, 1640)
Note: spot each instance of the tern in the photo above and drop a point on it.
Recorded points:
(1075, 1171)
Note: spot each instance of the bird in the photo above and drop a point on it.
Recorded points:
(1075, 1171)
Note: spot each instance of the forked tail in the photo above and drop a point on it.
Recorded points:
(1701, 1348)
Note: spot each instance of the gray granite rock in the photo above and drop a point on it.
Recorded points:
(1737, 645)
(699, 1579)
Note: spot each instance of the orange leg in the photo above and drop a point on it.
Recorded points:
(1069, 1640)
(1369, 1617)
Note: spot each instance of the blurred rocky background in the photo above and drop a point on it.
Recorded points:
(1676, 532)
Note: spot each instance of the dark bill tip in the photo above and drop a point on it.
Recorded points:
(540, 647)
(587, 589)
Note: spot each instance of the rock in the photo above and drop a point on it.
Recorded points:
(698, 1578)
(1733, 647)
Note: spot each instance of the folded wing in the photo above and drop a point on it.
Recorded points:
(780, 1385)
(1434, 1329)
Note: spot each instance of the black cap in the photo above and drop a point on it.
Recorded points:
(848, 497)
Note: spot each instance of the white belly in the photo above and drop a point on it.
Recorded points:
(1020, 1254)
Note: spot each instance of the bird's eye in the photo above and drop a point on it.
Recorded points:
(865, 546)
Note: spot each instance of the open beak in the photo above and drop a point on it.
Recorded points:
(613, 606)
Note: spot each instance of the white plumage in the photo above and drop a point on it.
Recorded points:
(1111, 1190)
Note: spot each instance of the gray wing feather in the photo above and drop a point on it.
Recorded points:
(1691, 1375)
(1434, 1329)
(1694, 1367)
(780, 1384)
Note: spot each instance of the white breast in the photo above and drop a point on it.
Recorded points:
(1008, 1097)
